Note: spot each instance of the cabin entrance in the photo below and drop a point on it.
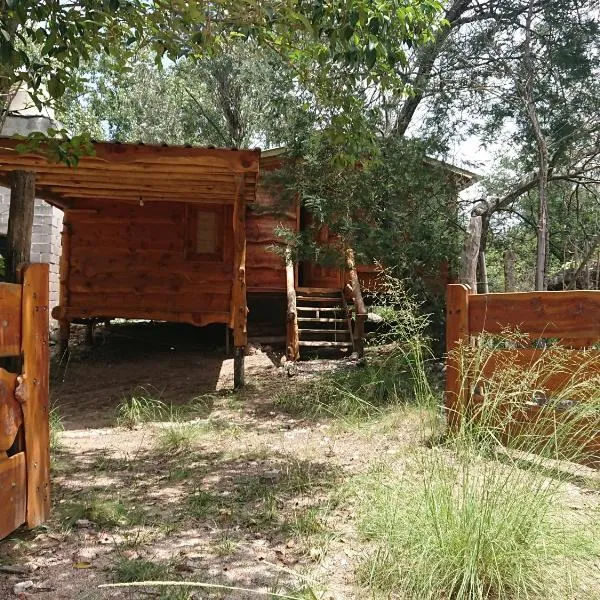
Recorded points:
(24, 431)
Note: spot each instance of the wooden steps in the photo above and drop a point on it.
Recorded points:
(320, 320)
(323, 344)
(323, 320)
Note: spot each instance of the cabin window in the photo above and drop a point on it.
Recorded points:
(205, 233)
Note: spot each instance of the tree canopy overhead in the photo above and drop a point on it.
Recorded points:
(44, 43)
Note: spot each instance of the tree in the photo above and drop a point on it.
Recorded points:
(535, 88)
(43, 43)
(239, 97)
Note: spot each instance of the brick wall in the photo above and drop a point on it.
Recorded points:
(45, 240)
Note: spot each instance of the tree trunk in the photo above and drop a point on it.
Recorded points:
(470, 255)
(509, 271)
(541, 265)
(483, 284)
(20, 222)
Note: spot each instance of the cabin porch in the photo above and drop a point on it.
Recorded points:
(150, 232)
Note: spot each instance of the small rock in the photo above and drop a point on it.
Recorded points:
(83, 523)
(374, 318)
(20, 587)
(87, 555)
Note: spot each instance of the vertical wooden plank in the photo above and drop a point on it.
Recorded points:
(20, 223)
(239, 307)
(457, 330)
(34, 392)
(12, 493)
(64, 272)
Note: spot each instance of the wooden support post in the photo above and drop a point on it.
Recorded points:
(457, 331)
(293, 335)
(33, 385)
(360, 310)
(20, 223)
(226, 339)
(238, 367)
(64, 271)
(89, 334)
(239, 305)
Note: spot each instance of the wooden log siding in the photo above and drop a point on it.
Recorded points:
(127, 260)
(265, 269)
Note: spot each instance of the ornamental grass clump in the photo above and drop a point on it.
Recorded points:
(486, 515)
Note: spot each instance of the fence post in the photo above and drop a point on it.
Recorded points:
(457, 330)
(34, 382)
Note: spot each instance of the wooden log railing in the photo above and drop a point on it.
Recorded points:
(360, 311)
(293, 337)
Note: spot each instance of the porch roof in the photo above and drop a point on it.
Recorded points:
(139, 172)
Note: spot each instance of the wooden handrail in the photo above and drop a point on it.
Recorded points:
(293, 337)
(360, 311)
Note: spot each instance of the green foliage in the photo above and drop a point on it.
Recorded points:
(238, 97)
(396, 206)
(334, 51)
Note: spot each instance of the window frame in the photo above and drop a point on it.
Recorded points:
(193, 214)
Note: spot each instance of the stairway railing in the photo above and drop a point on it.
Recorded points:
(360, 311)
(293, 337)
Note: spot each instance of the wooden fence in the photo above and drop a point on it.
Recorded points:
(570, 317)
(24, 431)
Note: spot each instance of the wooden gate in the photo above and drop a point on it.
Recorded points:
(24, 430)
(570, 317)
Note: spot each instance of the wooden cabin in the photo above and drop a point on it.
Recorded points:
(186, 234)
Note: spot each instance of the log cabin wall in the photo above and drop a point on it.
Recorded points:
(138, 261)
(265, 269)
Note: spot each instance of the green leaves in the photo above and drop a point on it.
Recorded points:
(56, 146)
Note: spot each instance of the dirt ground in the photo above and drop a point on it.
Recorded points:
(248, 503)
(228, 489)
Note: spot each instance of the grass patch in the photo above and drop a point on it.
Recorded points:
(467, 530)
(306, 523)
(202, 504)
(143, 407)
(178, 438)
(483, 517)
(354, 394)
(127, 570)
(103, 512)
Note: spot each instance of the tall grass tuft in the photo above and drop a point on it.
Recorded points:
(144, 405)
(56, 426)
(405, 332)
(486, 516)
